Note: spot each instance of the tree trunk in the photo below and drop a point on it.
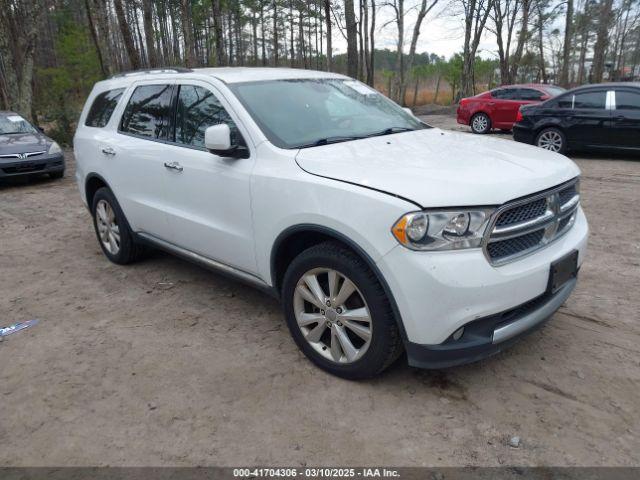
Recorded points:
(149, 34)
(435, 96)
(352, 39)
(566, 47)
(516, 58)
(217, 32)
(190, 59)
(95, 37)
(327, 18)
(424, 10)
(371, 71)
(127, 36)
(602, 41)
(276, 59)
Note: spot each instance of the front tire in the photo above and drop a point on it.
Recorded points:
(112, 229)
(338, 312)
(552, 139)
(480, 123)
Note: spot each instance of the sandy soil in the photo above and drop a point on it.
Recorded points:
(163, 363)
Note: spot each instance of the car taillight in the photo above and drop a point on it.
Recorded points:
(519, 116)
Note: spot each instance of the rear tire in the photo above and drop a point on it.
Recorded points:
(480, 123)
(112, 229)
(552, 139)
(339, 344)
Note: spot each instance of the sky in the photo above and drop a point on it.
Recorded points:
(441, 33)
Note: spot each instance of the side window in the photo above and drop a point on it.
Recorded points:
(197, 109)
(529, 94)
(590, 100)
(148, 112)
(501, 93)
(626, 100)
(564, 102)
(102, 108)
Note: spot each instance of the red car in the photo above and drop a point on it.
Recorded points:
(498, 108)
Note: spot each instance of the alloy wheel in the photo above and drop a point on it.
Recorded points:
(108, 229)
(550, 140)
(480, 123)
(332, 315)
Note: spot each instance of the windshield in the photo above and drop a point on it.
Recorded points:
(14, 124)
(309, 112)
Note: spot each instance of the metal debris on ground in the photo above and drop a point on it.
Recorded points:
(16, 327)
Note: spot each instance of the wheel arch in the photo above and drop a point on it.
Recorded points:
(93, 182)
(298, 238)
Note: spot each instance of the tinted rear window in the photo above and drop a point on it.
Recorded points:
(626, 100)
(103, 107)
(148, 112)
(590, 100)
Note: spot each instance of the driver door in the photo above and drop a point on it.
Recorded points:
(209, 195)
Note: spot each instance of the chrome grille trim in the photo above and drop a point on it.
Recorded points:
(22, 155)
(555, 221)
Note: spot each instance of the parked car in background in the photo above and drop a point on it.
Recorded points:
(25, 150)
(604, 116)
(318, 189)
(498, 108)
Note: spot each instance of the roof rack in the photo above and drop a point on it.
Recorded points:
(152, 70)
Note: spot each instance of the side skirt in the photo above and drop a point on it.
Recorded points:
(208, 263)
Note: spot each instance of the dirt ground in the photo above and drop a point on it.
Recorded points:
(164, 363)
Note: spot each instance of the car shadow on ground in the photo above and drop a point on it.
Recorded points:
(26, 181)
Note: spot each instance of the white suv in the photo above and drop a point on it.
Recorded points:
(378, 233)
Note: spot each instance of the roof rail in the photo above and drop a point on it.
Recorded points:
(152, 70)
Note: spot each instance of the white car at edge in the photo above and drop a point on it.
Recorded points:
(378, 233)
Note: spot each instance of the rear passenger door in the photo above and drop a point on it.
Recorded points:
(625, 124)
(210, 196)
(136, 156)
(589, 121)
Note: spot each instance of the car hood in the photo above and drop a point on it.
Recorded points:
(23, 143)
(435, 168)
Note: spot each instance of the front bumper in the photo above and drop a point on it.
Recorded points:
(488, 336)
(10, 167)
(436, 293)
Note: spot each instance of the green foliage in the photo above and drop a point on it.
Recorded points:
(61, 90)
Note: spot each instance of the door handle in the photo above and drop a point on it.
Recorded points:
(173, 166)
(621, 118)
(108, 151)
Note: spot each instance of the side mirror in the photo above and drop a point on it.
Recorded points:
(217, 139)
(409, 111)
(41, 129)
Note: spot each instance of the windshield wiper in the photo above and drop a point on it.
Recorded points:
(390, 130)
(335, 139)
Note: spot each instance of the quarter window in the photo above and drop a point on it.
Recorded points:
(148, 112)
(198, 109)
(626, 100)
(103, 107)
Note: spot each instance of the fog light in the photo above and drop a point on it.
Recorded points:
(458, 333)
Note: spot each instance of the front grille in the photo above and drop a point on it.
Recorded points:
(524, 226)
(25, 168)
(512, 246)
(523, 213)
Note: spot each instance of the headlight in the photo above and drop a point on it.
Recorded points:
(54, 148)
(442, 229)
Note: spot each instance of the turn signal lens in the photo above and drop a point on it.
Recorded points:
(412, 228)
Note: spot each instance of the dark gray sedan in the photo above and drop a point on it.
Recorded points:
(24, 150)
